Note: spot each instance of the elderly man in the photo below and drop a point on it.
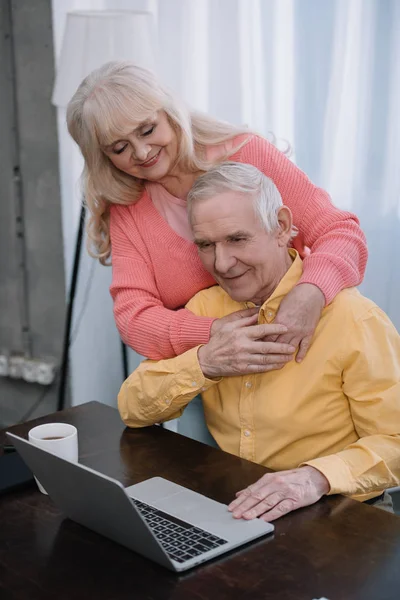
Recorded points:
(329, 424)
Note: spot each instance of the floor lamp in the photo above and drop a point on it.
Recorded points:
(92, 38)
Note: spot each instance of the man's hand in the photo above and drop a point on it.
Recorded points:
(218, 324)
(300, 311)
(277, 494)
(237, 348)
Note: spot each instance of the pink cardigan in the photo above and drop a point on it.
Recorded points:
(155, 271)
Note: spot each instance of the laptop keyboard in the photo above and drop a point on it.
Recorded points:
(180, 540)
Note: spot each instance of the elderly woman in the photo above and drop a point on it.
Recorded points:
(143, 150)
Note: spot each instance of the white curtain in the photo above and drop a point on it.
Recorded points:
(322, 75)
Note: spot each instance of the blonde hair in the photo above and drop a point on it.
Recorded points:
(105, 106)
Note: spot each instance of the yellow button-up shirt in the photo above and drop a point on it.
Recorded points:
(338, 410)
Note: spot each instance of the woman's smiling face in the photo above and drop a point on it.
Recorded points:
(147, 152)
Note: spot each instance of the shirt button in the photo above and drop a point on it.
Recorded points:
(168, 401)
(248, 384)
(203, 389)
(270, 313)
(194, 383)
(247, 433)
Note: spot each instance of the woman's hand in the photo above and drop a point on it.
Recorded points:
(238, 348)
(300, 311)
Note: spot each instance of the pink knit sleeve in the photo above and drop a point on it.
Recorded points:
(142, 320)
(338, 246)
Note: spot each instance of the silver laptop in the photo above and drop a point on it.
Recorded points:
(163, 521)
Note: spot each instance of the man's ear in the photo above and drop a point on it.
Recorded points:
(285, 222)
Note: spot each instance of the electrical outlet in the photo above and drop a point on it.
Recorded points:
(30, 370)
(46, 373)
(38, 371)
(15, 366)
(3, 365)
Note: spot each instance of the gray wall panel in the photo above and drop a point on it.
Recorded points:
(10, 317)
(40, 178)
(33, 296)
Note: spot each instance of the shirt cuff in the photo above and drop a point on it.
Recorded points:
(189, 331)
(337, 473)
(189, 376)
(322, 273)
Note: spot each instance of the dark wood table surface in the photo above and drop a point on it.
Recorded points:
(338, 548)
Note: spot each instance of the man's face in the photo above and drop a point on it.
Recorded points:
(246, 260)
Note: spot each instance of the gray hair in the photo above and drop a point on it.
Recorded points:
(239, 177)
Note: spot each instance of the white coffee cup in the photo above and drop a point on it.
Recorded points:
(60, 439)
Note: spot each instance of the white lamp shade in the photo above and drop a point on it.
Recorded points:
(92, 38)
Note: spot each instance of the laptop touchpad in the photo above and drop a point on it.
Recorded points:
(193, 508)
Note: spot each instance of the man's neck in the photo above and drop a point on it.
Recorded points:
(269, 289)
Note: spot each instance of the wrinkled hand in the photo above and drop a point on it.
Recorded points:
(277, 494)
(238, 348)
(218, 324)
(300, 311)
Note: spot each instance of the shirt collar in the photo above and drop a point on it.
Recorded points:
(287, 283)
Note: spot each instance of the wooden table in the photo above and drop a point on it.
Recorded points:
(337, 548)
